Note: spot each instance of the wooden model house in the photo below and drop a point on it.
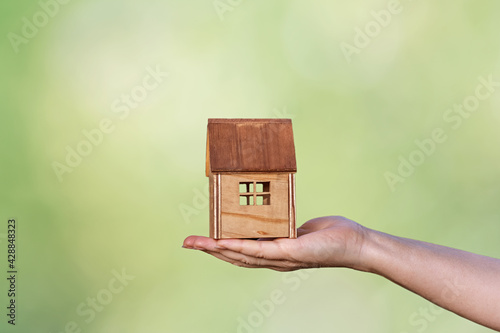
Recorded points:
(251, 168)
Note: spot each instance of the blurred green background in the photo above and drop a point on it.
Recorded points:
(140, 189)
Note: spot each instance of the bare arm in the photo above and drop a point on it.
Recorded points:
(462, 282)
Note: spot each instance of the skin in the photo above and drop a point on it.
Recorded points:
(465, 283)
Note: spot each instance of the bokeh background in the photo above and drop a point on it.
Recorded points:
(141, 189)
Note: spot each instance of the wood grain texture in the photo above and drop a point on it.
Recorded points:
(219, 206)
(254, 221)
(215, 204)
(291, 206)
(212, 197)
(207, 159)
(250, 145)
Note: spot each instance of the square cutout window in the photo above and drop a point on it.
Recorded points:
(262, 187)
(263, 199)
(246, 187)
(254, 193)
(246, 200)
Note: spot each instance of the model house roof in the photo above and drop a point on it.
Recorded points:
(250, 145)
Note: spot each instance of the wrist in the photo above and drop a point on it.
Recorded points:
(375, 250)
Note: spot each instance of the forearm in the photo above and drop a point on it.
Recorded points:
(464, 283)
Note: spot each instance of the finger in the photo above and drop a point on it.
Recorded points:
(222, 257)
(311, 226)
(257, 262)
(212, 247)
(249, 262)
(302, 231)
(272, 255)
(199, 243)
(278, 249)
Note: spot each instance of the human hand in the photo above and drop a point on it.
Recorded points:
(331, 241)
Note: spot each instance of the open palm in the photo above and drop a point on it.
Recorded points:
(331, 241)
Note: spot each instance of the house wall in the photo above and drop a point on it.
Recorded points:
(255, 221)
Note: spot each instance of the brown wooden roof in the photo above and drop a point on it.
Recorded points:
(250, 145)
